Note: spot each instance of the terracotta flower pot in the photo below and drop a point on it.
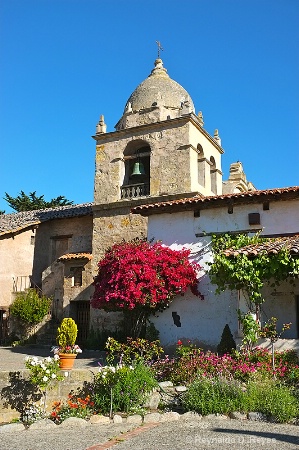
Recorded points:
(66, 360)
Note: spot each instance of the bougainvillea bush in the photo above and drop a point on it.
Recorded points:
(140, 274)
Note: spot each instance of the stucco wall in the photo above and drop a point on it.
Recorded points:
(203, 321)
(16, 254)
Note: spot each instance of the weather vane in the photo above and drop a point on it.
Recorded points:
(159, 48)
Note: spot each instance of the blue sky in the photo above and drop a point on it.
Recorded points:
(65, 62)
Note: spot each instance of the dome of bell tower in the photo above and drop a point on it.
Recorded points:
(157, 91)
(158, 87)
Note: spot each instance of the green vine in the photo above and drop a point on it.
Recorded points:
(246, 272)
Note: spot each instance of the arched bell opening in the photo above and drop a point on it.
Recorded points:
(136, 181)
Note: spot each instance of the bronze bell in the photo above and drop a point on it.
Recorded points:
(138, 169)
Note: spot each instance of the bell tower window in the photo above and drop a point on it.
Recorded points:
(136, 180)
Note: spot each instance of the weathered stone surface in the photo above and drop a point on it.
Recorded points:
(237, 415)
(257, 416)
(153, 400)
(98, 419)
(42, 424)
(152, 417)
(117, 418)
(170, 416)
(165, 384)
(73, 422)
(180, 388)
(215, 416)
(135, 418)
(191, 415)
(11, 427)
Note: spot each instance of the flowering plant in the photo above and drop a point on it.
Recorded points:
(140, 274)
(76, 406)
(43, 371)
(67, 349)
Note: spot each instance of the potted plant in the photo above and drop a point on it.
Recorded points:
(66, 337)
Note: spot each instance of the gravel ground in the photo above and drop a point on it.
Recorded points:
(186, 434)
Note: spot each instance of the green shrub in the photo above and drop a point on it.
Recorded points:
(227, 343)
(30, 308)
(216, 395)
(273, 400)
(67, 333)
(122, 388)
(134, 350)
(211, 396)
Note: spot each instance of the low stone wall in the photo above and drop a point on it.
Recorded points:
(14, 388)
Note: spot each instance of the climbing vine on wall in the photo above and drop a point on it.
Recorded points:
(246, 272)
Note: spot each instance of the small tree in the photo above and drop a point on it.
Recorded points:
(269, 331)
(142, 278)
(30, 309)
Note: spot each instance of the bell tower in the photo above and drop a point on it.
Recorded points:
(158, 151)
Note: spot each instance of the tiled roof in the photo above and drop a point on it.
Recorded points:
(271, 246)
(70, 256)
(200, 201)
(12, 223)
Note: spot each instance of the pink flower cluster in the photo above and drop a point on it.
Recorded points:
(139, 273)
(240, 366)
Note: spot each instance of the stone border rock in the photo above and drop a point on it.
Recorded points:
(135, 419)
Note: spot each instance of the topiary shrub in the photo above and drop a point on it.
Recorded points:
(227, 342)
(67, 335)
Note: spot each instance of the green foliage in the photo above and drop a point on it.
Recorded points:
(187, 350)
(227, 342)
(24, 202)
(122, 388)
(247, 273)
(134, 350)
(30, 308)
(269, 329)
(250, 328)
(67, 333)
(214, 395)
(274, 400)
(222, 396)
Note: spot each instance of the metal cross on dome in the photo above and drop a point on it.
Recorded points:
(159, 48)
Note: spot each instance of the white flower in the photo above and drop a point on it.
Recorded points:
(112, 369)
(53, 375)
(48, 359)
(45, 378)
(47, 371)
(43, 366)
(27, 358)
(33, 363)
(56, 357)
